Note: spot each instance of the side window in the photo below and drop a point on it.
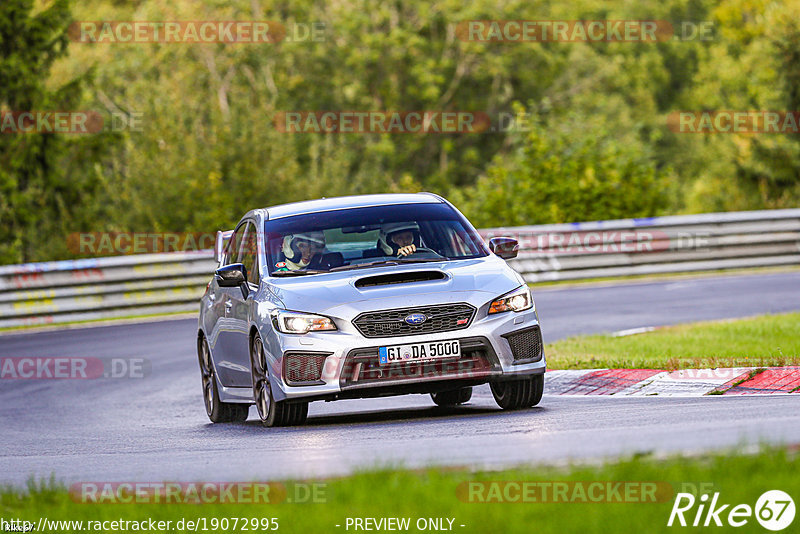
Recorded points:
(249, 254)
(234, 244)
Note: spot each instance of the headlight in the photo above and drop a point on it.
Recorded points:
(301, 323)
(518, 300)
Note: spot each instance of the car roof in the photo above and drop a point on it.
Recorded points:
(355, 201)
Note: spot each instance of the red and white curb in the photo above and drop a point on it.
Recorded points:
(683, 383)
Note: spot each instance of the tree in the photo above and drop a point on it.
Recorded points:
(43, 183)
(565, 171)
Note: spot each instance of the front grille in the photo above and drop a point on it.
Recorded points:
(390, 323)
(362, 367)
(526, 345)
(300, 368)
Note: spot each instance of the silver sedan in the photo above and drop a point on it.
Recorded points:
(359, 297)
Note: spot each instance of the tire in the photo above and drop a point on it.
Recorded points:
(270, 411)
(451, 398)
(218, 412)
(516, 394)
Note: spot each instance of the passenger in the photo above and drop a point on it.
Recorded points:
(301, 250)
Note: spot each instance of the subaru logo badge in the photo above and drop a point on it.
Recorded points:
(416, 318)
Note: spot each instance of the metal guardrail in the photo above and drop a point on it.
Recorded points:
(682, 243)
(100, 288)
(65, 291)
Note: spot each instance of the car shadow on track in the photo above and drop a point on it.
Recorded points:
(427, 413)
(432, 414)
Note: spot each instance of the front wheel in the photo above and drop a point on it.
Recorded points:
(516, 394)
(270, 411)
(218, 412)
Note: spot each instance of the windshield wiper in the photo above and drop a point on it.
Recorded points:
(296, 273)
(365, 265)
(421, 260)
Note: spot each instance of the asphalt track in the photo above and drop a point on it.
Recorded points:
(155, 428)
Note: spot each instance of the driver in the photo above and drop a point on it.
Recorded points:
(301, 249)
(399, 239)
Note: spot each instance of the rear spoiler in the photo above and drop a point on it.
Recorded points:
(223, 236)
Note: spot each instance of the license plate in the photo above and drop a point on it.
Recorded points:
(419, 352)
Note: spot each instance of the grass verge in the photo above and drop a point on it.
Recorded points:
(437, 493)
(763, 341)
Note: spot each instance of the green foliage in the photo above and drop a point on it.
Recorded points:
(44, 183)
(753, 65)
(565, 170)
(208, 149)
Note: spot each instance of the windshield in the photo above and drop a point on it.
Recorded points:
(369, 236)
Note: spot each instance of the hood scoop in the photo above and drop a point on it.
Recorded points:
(400, 278)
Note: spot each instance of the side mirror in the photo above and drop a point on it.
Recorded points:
(232, 275)
(505, 247)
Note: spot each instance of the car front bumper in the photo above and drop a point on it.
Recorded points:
(350, 368)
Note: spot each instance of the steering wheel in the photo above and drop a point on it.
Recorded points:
(422, 249)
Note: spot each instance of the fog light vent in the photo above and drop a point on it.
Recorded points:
(300, 368)
(526, 345)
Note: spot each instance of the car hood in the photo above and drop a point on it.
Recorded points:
(476, 281)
